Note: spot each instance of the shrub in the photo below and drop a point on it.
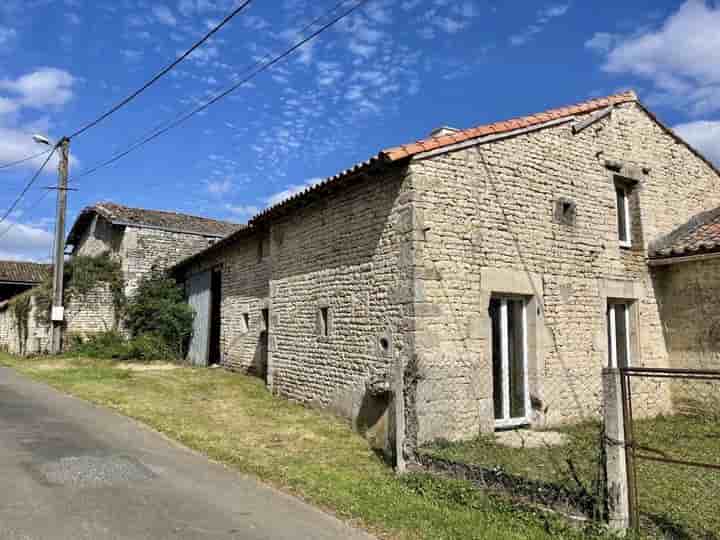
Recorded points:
(109, 344)
(157, 312)
(113, 345)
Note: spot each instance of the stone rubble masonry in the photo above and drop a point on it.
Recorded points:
(492, 206)
(139, 249)
(351, 256)
(405, 262)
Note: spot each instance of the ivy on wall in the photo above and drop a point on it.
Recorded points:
(82, 275)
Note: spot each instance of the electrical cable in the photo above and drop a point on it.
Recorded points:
(259, 67)
(27, 186)
(162, 72)
(23, 160)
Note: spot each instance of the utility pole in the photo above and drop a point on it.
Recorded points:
(58, 314)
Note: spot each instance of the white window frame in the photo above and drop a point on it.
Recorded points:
(628, 226)
(612, 353)
(506, 421)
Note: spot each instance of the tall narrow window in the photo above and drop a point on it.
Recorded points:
(324, 328)
(623, 215)
(265, 320)
(509, 351)
(618, 324)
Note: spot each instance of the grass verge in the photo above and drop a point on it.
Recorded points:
(675, 501)
(232, 419)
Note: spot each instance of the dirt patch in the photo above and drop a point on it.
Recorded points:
(155, 366)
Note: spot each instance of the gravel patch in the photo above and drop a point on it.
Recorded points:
(92, 471)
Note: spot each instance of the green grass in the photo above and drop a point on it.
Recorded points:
(232, 419)
(676, 500)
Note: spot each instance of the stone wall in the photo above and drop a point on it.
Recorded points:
(688, 296)
(342, 296)
(489, 221)
(143, 249)
(93, 313)
(335, 277)
(37, 339)
(245, 276)
(139, 250)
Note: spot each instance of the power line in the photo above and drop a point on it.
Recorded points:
(162, 73)
(34, 205)
(259, 68)
(23, 160)
(27, 186)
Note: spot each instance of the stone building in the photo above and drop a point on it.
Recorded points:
(486, 275)
(19, 276)
(686, 274)
(141, 240)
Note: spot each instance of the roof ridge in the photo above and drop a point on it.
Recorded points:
(503, 126)
(168, 212)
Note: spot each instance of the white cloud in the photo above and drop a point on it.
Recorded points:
(24, 242)
(290, 190)
(17, 144)
(164, 15)
(7, 35)
(8, 106)
(449, 25)
(73, 18)
(544, 16)
(361, 49)
(552, 11)
(408, 5)
(681, 58)
(243, 212)
(703, 135)
(219, 187)
(131, 55)
(204, 54)
(601, 42)
(41, 88)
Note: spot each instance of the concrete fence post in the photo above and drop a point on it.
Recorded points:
(615, 460)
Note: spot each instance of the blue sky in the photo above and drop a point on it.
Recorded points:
(386, 76)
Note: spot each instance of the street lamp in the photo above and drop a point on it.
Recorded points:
(41, 139)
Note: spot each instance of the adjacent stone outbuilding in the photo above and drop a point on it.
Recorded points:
(141, 240)
(686, 274)
(478, 279)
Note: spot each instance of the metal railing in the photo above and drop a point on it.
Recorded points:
(634, 451)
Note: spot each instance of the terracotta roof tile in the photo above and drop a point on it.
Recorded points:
(408, 150)
(23, 272)
(701, 234)
(141, 217)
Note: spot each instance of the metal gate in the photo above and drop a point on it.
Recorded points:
(634, 451)
(199, 300)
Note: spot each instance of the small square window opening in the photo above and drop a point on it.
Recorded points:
(565, 211)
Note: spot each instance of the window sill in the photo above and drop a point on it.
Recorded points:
(513, 423)
(625, 245)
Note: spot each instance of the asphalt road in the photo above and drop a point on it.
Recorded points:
(71, 470)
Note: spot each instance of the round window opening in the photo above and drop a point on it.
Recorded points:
(384, 344)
